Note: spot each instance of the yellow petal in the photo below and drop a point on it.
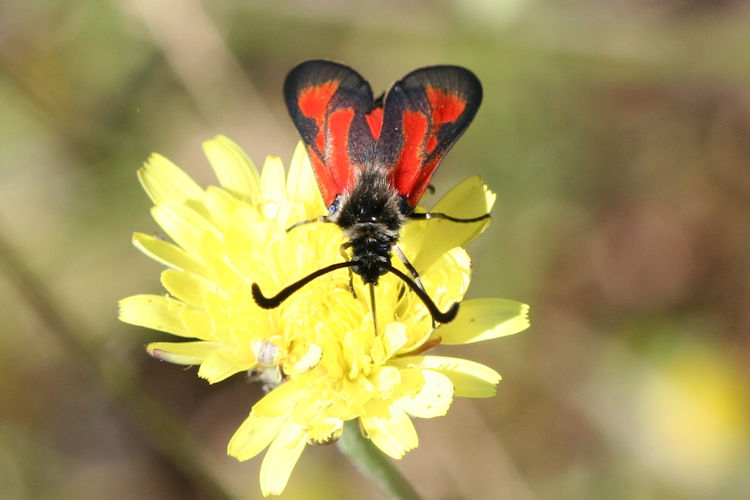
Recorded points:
(310, 357)
(167, 253)
(470, 379)
(301, 184)
(221, 206)
(188, 287)
(385, 379)
(434, 237)
(272, 185)
(211, 250)
(198, 323)
(281, 400)
(222, 365)
(394, 338)
(452, 273)
(412, 381)
(154, 311)
(377, 408)
(394, 436)
(484, 319)
(163, 180)
(470, 198)
(281, 458)
(433, 400)
(254, 435)
(233, 168)
(183, 224)
(228, 279)
(183, 353)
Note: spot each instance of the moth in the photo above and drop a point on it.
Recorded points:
(373, 160)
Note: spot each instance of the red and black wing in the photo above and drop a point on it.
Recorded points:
(332, 107)
(424, 114)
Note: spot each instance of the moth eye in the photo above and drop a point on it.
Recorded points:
(334, 207)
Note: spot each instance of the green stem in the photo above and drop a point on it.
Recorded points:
(372, 463)
(118, 384)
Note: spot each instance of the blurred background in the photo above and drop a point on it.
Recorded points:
(616, 135)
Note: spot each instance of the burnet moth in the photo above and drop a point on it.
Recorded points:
(373, 160)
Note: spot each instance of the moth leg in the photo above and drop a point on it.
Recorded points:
(439, 215)
(412, 271)
(409, 267)
(374, 311)
(342, 249)
(322, 218)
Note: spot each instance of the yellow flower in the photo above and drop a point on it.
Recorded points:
(326, 362)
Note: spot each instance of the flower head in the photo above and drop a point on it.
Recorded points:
(318, 351)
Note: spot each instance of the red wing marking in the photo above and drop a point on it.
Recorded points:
(375, 122)
(318, 167)
(313, 102)
(337, 150)
(345, 129)
(411, 155)
(446, 108)
(330, 104)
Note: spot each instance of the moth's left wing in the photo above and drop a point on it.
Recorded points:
(332, 107)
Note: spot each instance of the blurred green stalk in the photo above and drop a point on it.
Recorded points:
(373, 464)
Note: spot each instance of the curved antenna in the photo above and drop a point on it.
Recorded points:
(276, 300)
(438, 316)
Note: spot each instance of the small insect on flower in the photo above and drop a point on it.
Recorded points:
(373, 160)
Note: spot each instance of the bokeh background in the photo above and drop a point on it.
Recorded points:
(616, 134)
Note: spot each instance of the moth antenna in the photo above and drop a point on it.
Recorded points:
(372, 308)
(440, 215)
(440, 317)
(322, 218)
(276, 300)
